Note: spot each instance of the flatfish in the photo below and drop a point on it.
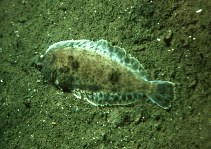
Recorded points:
(102, 74)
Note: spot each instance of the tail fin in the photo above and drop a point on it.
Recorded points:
(162, 94)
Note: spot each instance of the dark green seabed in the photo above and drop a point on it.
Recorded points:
(170, 38)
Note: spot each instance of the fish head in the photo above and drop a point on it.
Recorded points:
(45, 66)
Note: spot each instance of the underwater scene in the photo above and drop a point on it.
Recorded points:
(112, 74)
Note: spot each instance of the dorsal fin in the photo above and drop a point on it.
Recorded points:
(103, 47)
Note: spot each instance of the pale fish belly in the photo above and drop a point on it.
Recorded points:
(102, 74)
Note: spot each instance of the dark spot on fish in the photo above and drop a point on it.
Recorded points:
(136, 96)
(73, 63)
(124, 97)
(116, 98)
(70, 58)
(127, 60)
(100, 95)
(129, 96)
(99, 101)
(135, 65)
(114, 77)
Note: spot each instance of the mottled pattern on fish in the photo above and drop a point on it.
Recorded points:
(102, 74)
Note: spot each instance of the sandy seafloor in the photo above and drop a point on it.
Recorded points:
(172, 39)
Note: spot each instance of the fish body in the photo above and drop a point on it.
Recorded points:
(102, 74)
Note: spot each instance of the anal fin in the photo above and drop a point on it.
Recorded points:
(103, 99)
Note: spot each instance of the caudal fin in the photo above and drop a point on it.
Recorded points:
(162, 94)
